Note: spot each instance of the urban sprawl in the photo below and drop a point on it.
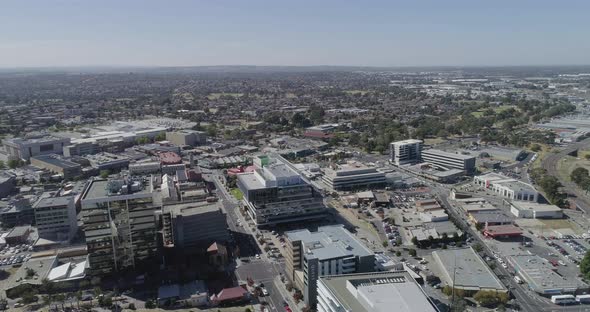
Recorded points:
(296, 189)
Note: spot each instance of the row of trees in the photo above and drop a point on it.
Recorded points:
(550, 186)
(12, 164)
(486, 298)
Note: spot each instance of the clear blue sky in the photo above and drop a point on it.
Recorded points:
(294, 32)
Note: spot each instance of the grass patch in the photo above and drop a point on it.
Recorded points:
(237, 193)
(496, 110)
(567, 164)
(434, 141)
(354, 92)
(215, 96)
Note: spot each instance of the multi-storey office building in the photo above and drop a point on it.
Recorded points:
(332, 250)
(276, 193)
(405, 152)
(193, 224)
(353, 175)
(449, 160)
(119, 224)
(55, 218)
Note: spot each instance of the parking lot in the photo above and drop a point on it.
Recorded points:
(15, 255)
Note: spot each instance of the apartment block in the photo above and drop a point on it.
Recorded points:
(405, 152)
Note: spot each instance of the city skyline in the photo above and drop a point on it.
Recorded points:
(376, 34)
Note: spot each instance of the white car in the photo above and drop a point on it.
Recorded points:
(264, 292)
(257, 256)
(504, 265)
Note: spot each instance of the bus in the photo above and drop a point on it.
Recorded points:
(563, 299)
(583, 298)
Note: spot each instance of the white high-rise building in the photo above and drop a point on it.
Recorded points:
(405, 152)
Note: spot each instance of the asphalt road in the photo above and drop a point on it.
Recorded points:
(263, 270)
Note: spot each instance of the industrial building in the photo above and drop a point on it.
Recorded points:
(332, 250)
(18, 148)
(276, 193)
(57, 164)
(449, 160)
(507, 187)
(55, 218)
(434, 215)
(186, 137)
(119, 224)
(531, 210)
(405, 152)
(464, 269)
(541, 278)
(372, 292)
(502, 231)
(489, 217)
(352, 175)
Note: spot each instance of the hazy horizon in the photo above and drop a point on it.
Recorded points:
(386, 34)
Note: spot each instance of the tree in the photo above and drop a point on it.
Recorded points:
(150, 304)
(2, 165)
(15, 163)
(585, 265)
(477, 247)
(46, 300)
(47, 286)
(490, 298)
(316, 113)
(415, 241)
(581, 178)
(29, 297)
(30, 273)
(160, 136)
(536, 148)
(105, 174)
(78, 296)
(385, 243)
(479, 226)
(142, 140)
(398, 253)
(412, 252)
(61, 298)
